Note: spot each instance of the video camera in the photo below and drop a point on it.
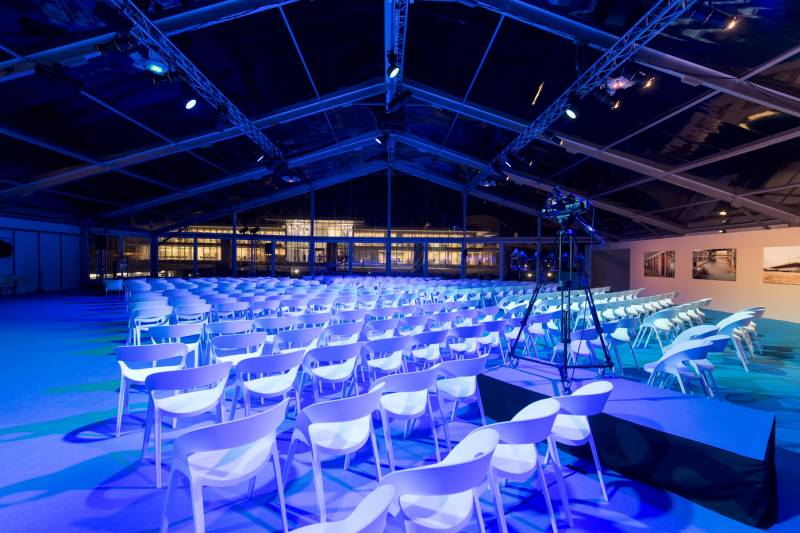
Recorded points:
(562, 207)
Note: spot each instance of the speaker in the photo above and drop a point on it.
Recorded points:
(6, 248)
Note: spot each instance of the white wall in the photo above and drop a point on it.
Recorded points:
(782, 301)
(46, 256)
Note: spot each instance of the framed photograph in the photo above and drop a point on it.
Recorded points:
(659, 264)
(718, 264)
(782, 265)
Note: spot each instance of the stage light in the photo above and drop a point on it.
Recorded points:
(616, 105)
(571, 110)
(723, 213)
(260, 158)
(649, 82)
(378, 140)
(394, 66)
(190, 103)
(506, 163)
(530, 164)
(156, 67)
(538, 94)
(732, 23)
(720, 231)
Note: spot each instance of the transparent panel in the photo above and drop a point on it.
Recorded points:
(104, 256)
(483, 260)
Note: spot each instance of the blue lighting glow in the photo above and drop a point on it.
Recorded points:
(156, 68)
(571, 113)
(190, 103)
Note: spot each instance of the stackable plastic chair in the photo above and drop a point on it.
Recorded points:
(735, 326)
(346, 333)
(138, 362)
(385, 355)
(313, 320)
(235, 348)
(405, 397)
(141, 320)
(192, 313)
(193, 391)
(571, 426)
(380, 329)
(426, 348)
(368, 517)
(460, 385)
(492, 329)
(349, 315)
(517, 459)
(332, 429)
(273, 376)
(465, 340)
(677, 364)
(224, 455)
(295, 338)
(189, 334)
(412, 325)
(229, 327)
(444, 496)
(332, 365)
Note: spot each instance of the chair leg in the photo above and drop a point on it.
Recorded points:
(597, 465)
(289, 458)
(444, 422)
(546, 492)
(478, 512)
(148, 423)
(157, 427)
(276, 463)
(498, 502)
(455, 408)
(633, 354)
(196, 491)
(552, 449)
(316, 468)
(433, 431)
(480, 403)
(234, 402)
(172, 485)
(375, 450)
(123, 385)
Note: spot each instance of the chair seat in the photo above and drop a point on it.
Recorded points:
(463, 347)
(271, 385)
(405, 404)
(188, 403)
(571, 429)
(447, 513)
(514, 461)
(621, 335)
(460, 387)
(685, 371)
(236, 359)
(429, 353)
(222, 467)
(338, 436)
(139, 375)
(335, 372)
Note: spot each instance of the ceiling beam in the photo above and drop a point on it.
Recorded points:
(355, 143)
(79, 52)
(683, 180)
(284, 194)
(530, 181)
(295, 112)
(687, 71)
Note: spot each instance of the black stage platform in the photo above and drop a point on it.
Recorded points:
(715, 453)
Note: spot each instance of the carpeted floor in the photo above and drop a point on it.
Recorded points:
(62, 469)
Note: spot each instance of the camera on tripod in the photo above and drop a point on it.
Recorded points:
(562, 207)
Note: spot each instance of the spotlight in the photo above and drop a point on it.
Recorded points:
(648, 83)
(616, 105)
(732, 23)
(571, 110)
(378, 140)
(190, 103)
(260, 158)
(382, 139)
(156, 67)
(723, 213)
(506, 163)
(720, 231)
(394, 66)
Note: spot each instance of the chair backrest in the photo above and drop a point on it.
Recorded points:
(530, 425)
(188, 378)
(176, 331)
(408, 381)
(229, 327)
(587, 400)
(463, 367)
(334, 354)
(350, 315)
(239, 343)
(295, 338)
(274, 324)
(233, 434)
(313, 320)
(150, 313)
(369, 516)
(386, 346)
(341, 332)
(696, 332)
(467, 332)
(147, 353)
(381, 326)
(429, 337)
(464, 468)
(342, 410)
(271, 364)
(736, 320)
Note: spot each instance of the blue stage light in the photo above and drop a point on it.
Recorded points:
(571, 113)
(190, 103)
(156, 68)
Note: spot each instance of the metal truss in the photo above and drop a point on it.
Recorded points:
(535, 182)
(395, 26)
(79, 52)
(148, 35)
(356, 143)
(661, 15)
(295, 112)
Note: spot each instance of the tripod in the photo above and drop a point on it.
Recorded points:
(567, 247)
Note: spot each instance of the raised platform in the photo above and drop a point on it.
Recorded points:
(715, 453)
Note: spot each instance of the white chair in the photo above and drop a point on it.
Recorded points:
(237, 347)
(192, 392)
(571, 426)
(677, 364)
(141, 320)
(331, 365)
(405, 397)
(460, 385)
(385, 355)
(332, 429)
(112, 285)
(272, 376)
(426, 348)
(368, 517)
(517, 459)
(189, 334)
(191, 313)
(138, 362)
(466, 341)
(442, 497)
(224, 455)
(344, 333)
